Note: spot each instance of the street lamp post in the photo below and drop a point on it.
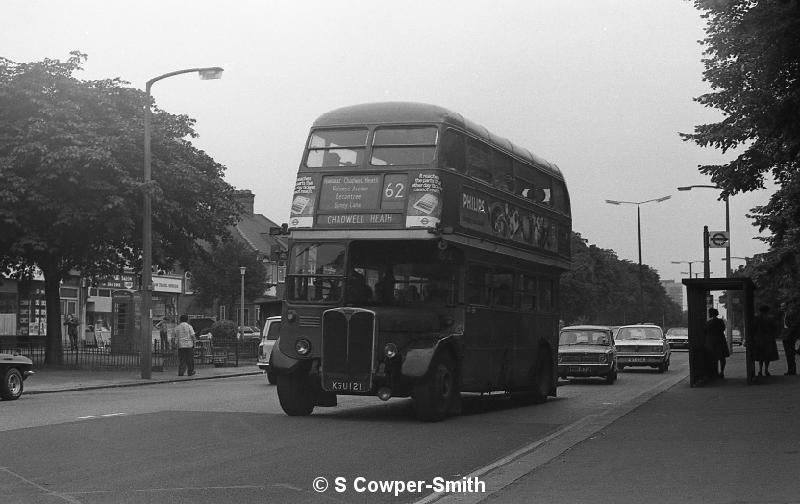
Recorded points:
(728, 328)
(639, 237)
(689, 263)
(242, 270)
(147, 211)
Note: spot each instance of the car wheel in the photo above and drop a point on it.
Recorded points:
(271, 379)
(11, 388)
(433, 397)
(611, 377)
(294, 394)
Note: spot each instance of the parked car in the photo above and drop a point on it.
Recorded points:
(587, 350)
(642, 345)
(249, 333)
(678, 337)
(269, 336)
(14, 370)
(736, 337)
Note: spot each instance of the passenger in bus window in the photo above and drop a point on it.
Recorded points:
(384, 288)
(331, 159)
(357, 289)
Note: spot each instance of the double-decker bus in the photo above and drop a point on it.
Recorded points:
(424, 259)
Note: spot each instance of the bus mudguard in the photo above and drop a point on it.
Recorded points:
(280, 362)
(418, 356)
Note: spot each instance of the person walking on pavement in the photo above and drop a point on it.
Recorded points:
(163, 334)
(186, 338)
(791, 328)
(716, 344)
(72, 331)
(764, 348)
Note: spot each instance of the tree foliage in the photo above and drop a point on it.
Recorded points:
(752, 62)
(602, 289)
(217, 279)
(71, 158)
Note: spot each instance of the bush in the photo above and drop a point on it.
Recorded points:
(223, 330)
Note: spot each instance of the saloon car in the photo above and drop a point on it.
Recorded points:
(14, 370)
(269, 335)
(642, 345)
(678, 337)
(587, 350)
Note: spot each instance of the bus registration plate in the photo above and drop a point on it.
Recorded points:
(334, 385)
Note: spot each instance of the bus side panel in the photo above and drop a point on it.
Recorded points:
(536, 330)
(488, 338)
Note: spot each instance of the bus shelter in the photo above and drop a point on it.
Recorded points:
(701, 368)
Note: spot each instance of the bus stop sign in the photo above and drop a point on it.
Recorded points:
(718, 239)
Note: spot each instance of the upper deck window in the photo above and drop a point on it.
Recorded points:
(336, 147)
(404, 146)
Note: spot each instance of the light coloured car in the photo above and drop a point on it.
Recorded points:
(678, 337)
(587, 350)
(269, 336)
(14, 370)
(642, 345)
(736, 337)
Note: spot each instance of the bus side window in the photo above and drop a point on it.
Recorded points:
(546, 294)
(477, 285)
(501, 288)
(478, 160)
(451, 151)
(529, 293)
(503, 177)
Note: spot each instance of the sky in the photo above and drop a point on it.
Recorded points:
(599, 87)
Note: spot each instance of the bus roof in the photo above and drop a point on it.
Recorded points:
(422, 113)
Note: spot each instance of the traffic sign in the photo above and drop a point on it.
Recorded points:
(718, 239)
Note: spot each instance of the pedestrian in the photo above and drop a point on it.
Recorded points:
(716, 343)
(184, 333)
(163, 334)
(72, 331)
(764, 348)
(789, 334)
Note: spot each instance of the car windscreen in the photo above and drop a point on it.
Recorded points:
(583, 338)
(639, 333)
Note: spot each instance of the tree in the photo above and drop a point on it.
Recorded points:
(602, 289)
(217, 278)
(752, 62)
(71, 157)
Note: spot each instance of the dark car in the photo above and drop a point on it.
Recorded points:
(14, 370)
(587, 350)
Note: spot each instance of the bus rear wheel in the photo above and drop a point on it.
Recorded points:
(295, 394)
(434, 397)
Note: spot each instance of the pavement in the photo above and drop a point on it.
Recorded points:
(58, 379)
(723, 442)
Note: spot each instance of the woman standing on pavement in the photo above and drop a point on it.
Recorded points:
(765, 349)
(716, 344)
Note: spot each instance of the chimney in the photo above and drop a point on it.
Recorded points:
(245, 198)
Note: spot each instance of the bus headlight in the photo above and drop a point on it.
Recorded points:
(390, 350)
(302, 346)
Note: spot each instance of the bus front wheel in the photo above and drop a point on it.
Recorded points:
(295, 394)
(435, 395)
